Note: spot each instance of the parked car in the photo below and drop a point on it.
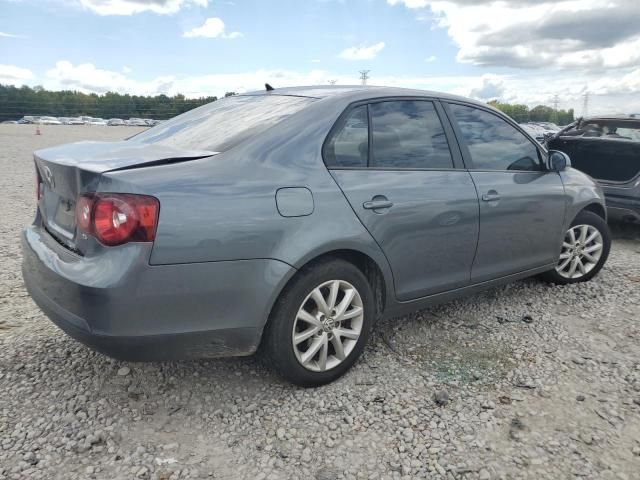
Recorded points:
(10, 122)
(136, 122)
(49, 121)
(96, 121)
(294, 219)
(76, 121)
(608, 149)
(114, 122)
(28, 119)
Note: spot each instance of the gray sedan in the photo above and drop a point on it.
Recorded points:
(292, 219)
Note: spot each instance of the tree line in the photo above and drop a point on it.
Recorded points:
(541, 113)
(16, 102)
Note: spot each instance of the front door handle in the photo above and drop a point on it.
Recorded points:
(490, 196)
(379, 202)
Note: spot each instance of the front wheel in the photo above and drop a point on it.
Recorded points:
(320, 324)
(585, 249)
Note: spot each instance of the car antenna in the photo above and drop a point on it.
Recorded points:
(268, 87)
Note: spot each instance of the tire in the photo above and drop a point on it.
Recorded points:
(589, 223)
(320, 326)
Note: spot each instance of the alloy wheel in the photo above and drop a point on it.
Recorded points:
(327, 325)
(581, 251)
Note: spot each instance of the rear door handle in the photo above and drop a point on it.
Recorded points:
(490, 196)
(377, 203)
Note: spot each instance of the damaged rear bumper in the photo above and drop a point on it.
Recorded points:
(130, 310)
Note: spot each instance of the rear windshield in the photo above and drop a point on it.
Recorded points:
(608, 129)
(223, 124)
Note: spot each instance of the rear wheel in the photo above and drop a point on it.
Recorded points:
(585, 249)
(320, 324)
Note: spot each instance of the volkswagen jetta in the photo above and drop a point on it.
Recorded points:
(292, 219)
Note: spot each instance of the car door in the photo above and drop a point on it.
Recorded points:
(522, 204)
(393, 163)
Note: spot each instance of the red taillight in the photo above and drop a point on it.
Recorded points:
(117, 218)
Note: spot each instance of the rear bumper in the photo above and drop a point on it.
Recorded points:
(121, 306)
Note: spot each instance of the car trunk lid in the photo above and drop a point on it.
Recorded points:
(67, 171)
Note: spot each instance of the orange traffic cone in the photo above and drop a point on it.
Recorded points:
(38, 130)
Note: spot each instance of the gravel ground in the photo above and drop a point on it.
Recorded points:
(525, 381)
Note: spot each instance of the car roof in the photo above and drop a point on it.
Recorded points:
(358, 92)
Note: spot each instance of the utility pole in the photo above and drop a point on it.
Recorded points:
(556, 101)
(364, 76)
(585, 105)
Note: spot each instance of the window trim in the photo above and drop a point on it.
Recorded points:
(466, 153)
(452, 141)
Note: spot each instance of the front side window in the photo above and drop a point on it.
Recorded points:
(408, 134)
(493, 143)
(349, 146)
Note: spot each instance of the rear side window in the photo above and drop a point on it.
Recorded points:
(349, 146)
(493, 143)
(408, 134)
(223, 124)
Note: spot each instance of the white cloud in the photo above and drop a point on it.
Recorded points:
(362, 53)
(212, 28)
(87, 78)
(410, 3)
(126, 69)
(12, 75)
(315, 60)
(543, 34)
(10, 35)
(131, 7)
(431, 59)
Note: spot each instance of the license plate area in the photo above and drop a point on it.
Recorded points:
(64, 218)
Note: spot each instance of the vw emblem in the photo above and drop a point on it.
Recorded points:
(48, 176)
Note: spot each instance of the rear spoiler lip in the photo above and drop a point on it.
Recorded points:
(102, 157)
(161, 161)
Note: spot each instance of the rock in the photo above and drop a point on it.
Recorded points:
(527, 318)
(441, 398)
(484, 474)
(586, 438)
(326, 473)
(407, 435)
(124, 371)
(142, 472)
(281, 433)
(306, 455)
(580, 398)
(516, 429)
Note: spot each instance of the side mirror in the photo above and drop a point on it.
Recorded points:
(558, 161)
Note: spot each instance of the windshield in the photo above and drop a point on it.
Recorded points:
(220, 125)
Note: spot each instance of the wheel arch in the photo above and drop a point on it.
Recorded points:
(596, 208)
(380, 280)
(367, 265)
